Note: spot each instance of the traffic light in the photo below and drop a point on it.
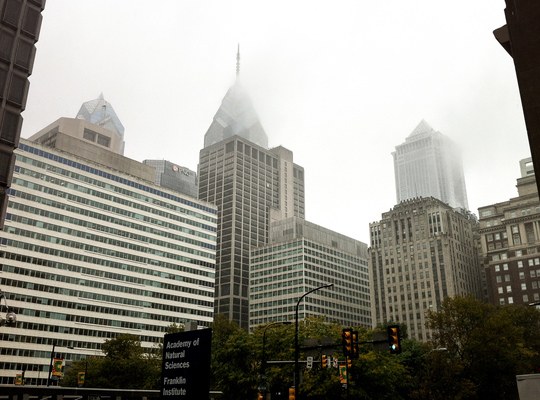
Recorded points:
(355, 351)
(346, 338)
(394, 341)
(292, 393)
(349, 363)
(324, 361)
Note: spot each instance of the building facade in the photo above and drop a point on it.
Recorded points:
(91, 250)
(302, 256)
(175, 177)
(429, 164)
(251, 186)
(510, 238)
(422, 251)
(20, 24)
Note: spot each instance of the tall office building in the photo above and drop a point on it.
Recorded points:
(510, 234)
(93, 248)
(422, 251)
(251, 185)
(302, 256)
(175, 177)
(429, 164)
(20, 23)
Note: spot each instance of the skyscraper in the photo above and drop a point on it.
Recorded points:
(429, 164)
(422, 251)
(20, 23)
(251, 185)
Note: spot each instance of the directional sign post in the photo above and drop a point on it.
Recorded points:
(186, 365)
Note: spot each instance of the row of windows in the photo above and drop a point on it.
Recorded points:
(101, 285)
(90, 214)
(127, 210)
(115, 178)
(111, 234)
(104, 252)
(114, 299)
(110, 264)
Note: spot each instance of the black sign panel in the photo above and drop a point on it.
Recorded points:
(185, 370)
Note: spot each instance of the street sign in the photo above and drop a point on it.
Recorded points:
(309, 362)
(186, 365)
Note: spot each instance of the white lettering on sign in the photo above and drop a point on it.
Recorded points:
(173, 365)
(179, 380)
(179, 344)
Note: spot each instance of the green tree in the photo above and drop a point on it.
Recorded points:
(233, 365)
(125, 365)
(487, 345)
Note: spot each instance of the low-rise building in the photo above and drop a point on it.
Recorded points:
(510, 237)
(302, 256)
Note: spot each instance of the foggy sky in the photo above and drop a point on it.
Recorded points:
(340, 83)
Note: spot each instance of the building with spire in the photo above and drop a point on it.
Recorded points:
(251, 185)
(429, 164)
(236, 116)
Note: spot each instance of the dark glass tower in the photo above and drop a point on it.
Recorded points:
(251, 185)
(20, 23)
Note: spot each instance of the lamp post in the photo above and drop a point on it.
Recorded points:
(262, 387)
(11, 317)
(296, 347)
(51, 363)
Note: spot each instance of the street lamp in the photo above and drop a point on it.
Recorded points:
(262, 387)
(11, 317)
(296, 347)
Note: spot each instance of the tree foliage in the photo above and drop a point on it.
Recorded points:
(487, 345)
(476, 351)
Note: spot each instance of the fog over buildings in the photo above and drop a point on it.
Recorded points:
(339, 83)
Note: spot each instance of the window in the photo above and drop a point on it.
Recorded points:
(500, 290)
(498, 279)
(510, 300)
(523, 286)
(89, 135)
(497, 268)
(508, 289)
(505, 267)
(520, 264)
(104, 140)
(519, 253)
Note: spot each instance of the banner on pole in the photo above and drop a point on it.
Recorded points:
(58, 367)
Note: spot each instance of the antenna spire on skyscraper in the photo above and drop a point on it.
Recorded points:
(238, 60)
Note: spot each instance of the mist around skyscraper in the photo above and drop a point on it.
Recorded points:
(96, 244)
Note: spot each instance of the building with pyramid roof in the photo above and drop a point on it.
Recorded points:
(251, 185)
(96, 124)
(429, 164)
(236, 116)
